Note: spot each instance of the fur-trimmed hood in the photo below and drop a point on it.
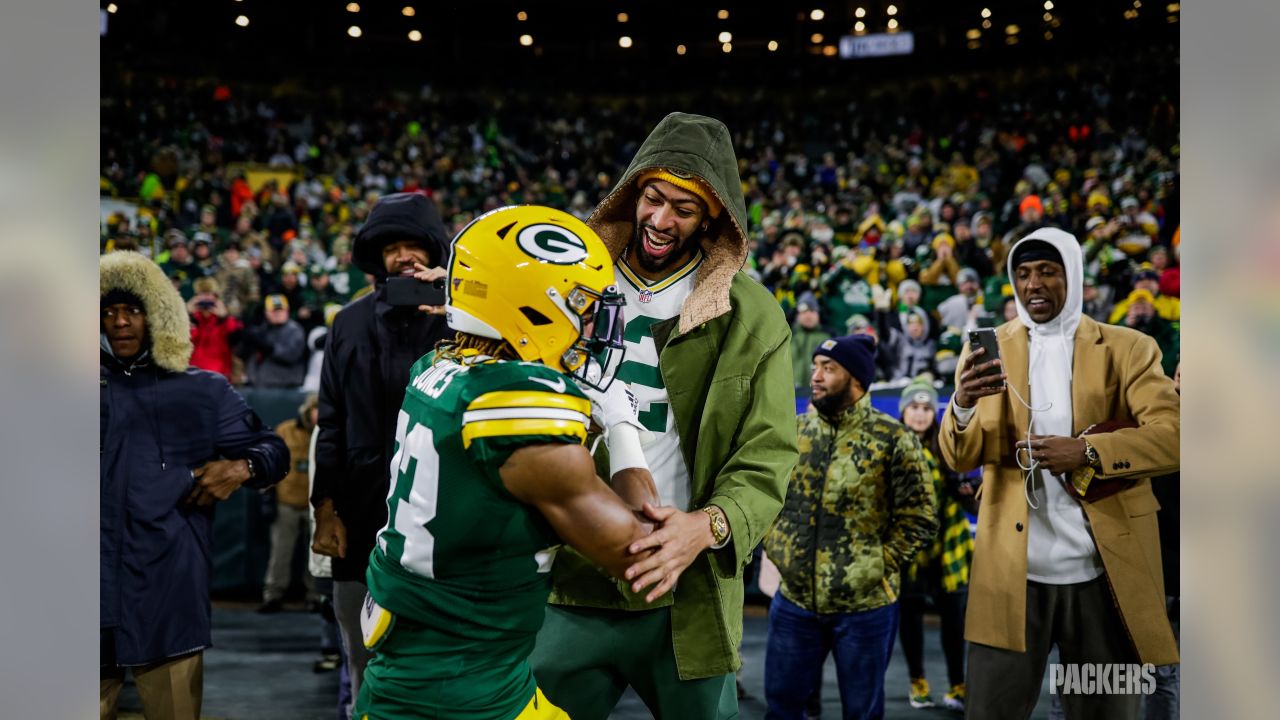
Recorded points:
(689, 145)
(168, 325)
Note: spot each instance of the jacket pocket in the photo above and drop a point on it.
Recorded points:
(1139, 501)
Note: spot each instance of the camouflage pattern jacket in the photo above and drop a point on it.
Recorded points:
(859, 506)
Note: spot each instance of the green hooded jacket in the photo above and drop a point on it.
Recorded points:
(726, 363)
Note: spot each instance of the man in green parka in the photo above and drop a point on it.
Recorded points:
(708, 357)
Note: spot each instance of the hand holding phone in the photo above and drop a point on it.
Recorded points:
(412, 292)
(982, 373)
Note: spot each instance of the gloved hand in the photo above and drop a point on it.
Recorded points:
(615, 405)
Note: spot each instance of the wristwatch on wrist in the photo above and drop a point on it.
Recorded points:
(1091, 456)
(1081, 477)
(253, 471)
(719, 526)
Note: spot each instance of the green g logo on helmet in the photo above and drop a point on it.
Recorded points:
(552, 243)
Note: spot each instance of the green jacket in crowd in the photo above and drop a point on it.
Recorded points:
(726, 362)
(860, 506)
(803, 343)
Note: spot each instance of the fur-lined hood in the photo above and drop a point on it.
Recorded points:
(168, 325)
(689, 145)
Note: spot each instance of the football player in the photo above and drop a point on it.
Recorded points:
(490, 473)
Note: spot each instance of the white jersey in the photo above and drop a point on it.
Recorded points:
(649, 303)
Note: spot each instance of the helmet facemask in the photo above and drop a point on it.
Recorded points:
(594, 358)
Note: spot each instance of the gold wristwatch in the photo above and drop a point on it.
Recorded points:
(1082, 476)
(719, 526)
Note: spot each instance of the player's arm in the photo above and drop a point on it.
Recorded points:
(560, 480)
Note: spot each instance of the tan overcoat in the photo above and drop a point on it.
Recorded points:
(1116, 375)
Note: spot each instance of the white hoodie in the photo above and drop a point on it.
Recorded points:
(1060, 547)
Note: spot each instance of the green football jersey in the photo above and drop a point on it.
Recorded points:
(461, 563)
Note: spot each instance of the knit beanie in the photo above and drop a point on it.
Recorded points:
(919, 391)
(855, 353)
(691, 183)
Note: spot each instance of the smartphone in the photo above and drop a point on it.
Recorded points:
(413, 292)
(985, 338)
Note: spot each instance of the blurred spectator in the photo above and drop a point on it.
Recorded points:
(918, 350)
(943, 268)
(1170, 275)
(1169, 308)
(238, 280)
(1094, 305)
(214, 331)
(962, 310)
(345, 278)
(316, 339)
(291, 279)
(275, 349)
(909, 304)
(292, 511)
(969, 251)
(181, 268)
(940, 571)
(175, 441)
(202, 252)
(1141, 316)
(806, 335)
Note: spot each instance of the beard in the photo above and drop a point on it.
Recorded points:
(654, 265)
(835, 401)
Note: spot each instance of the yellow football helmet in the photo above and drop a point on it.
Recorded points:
(537, 277)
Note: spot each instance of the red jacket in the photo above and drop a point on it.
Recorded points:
(211, 337)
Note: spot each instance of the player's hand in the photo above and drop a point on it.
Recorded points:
(678, 542)
(216, 480)
(636, 488)
(1054, 453)
(331, 534)
(615, 405)
(422, 273)
(972, 386)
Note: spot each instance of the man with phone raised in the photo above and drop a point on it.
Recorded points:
(1053, 565)
(368, 353)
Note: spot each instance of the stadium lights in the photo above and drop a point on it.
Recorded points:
(974, 34)
(415, 35)
(1048, 4)
(526, 40)
(680, 50)
(624, 42)
(773, 46)
(1048, 17)
(1137, 4)
(974, 44)
(986, 24)
(816, 14)
(986, 12)
(816, 38)
(243, 21)
(891, 10)
(1048, 34)
(522, 16)
(893, 23)
(353, 7)
(725, 37)
(1173, 7)
(623, 17)
(727, 48)
(355, 31)
(408, 11)
(829, 51)
(1011, 30)
(112, 8)
(859, 26)
(723, 15)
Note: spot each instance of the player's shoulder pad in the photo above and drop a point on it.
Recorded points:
(516, 398)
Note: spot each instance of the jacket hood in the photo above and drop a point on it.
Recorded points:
(168, 325)
(1068, 318)
(689, 145)
(400, 216)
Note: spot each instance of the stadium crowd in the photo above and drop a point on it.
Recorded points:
(886, 210)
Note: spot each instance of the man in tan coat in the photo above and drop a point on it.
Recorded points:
(1050, 567)
(293, 515)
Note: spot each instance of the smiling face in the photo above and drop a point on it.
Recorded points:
(125, 325)
(1041, 287)
(669, 223)
(399, 257)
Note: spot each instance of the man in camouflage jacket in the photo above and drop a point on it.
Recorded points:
(859, 507)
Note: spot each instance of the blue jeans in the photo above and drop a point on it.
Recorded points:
(798, 644)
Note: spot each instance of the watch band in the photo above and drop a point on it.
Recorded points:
(720, 532)
(253, 470)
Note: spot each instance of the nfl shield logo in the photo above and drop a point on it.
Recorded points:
(646, 296)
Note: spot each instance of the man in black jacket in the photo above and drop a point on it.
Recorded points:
(368, 354)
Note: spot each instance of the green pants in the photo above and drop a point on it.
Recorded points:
(585, 659)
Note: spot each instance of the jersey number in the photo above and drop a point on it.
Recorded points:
(413, 500)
